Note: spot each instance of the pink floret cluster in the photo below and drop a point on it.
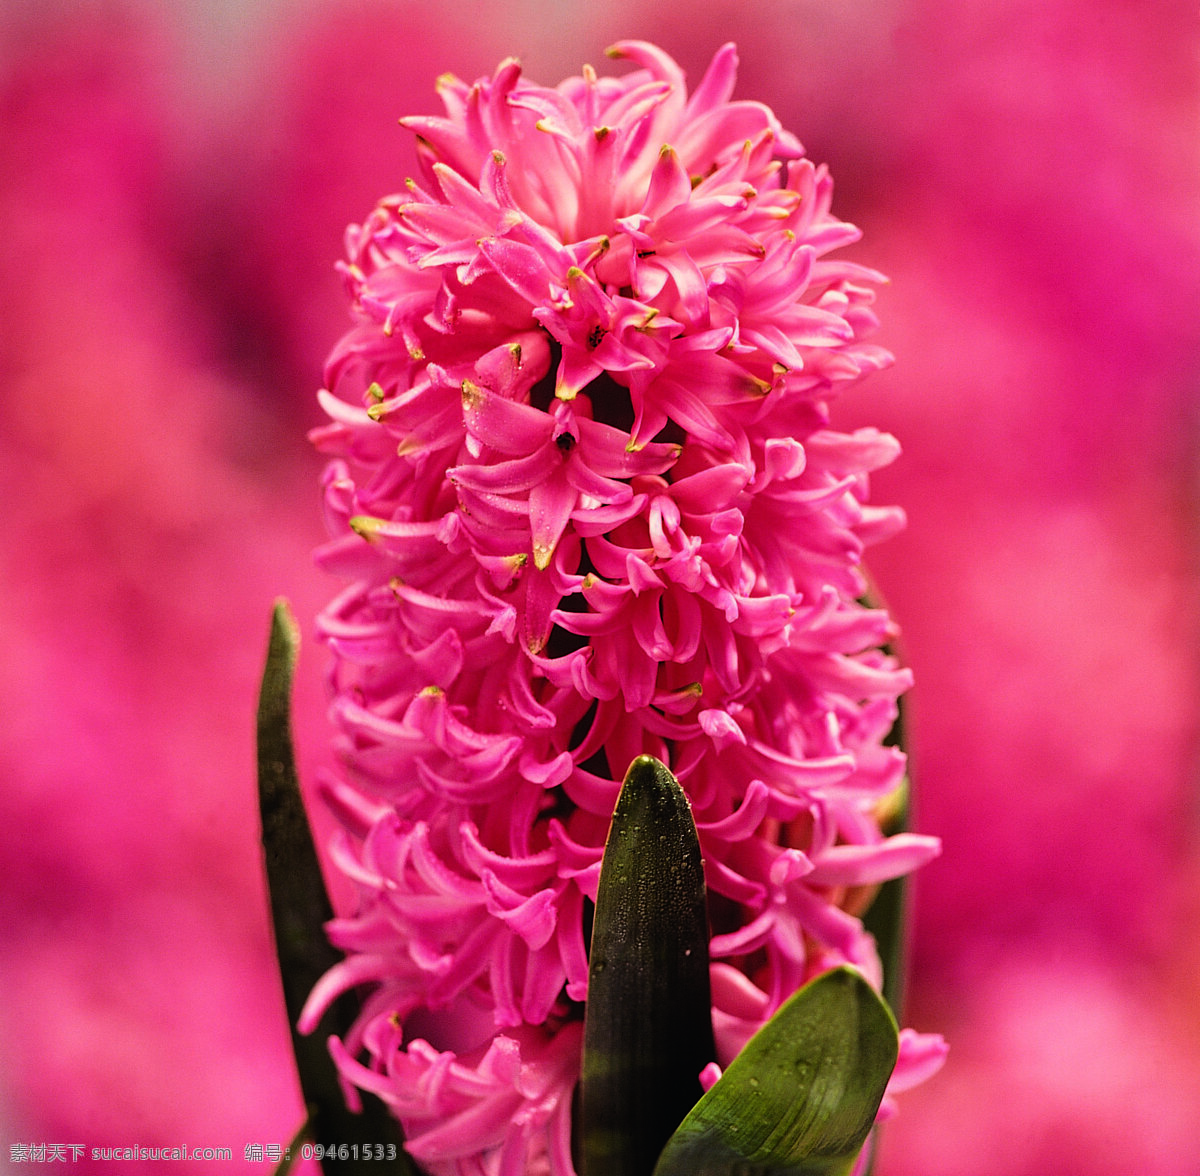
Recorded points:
(589, 504)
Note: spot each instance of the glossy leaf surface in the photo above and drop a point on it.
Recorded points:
(801, 1097)
(648, 1023)
(299, 910)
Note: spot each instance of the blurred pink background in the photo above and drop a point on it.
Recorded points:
(174, 181)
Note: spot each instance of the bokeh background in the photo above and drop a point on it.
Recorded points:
(174, 181)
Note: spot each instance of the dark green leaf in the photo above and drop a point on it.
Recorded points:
(648, 1021)
(299, 910)
(802, 1095)
(887, 917)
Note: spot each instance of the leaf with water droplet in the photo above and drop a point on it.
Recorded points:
(801, 1097)
(299, 910)
(648, 1019)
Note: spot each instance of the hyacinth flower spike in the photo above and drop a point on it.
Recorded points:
(590, 507)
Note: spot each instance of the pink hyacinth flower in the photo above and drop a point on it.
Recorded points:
(590, 505)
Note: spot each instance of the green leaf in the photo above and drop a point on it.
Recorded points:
(300, 908)
(887, 916)
(801, 1097)
(648, 1019)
